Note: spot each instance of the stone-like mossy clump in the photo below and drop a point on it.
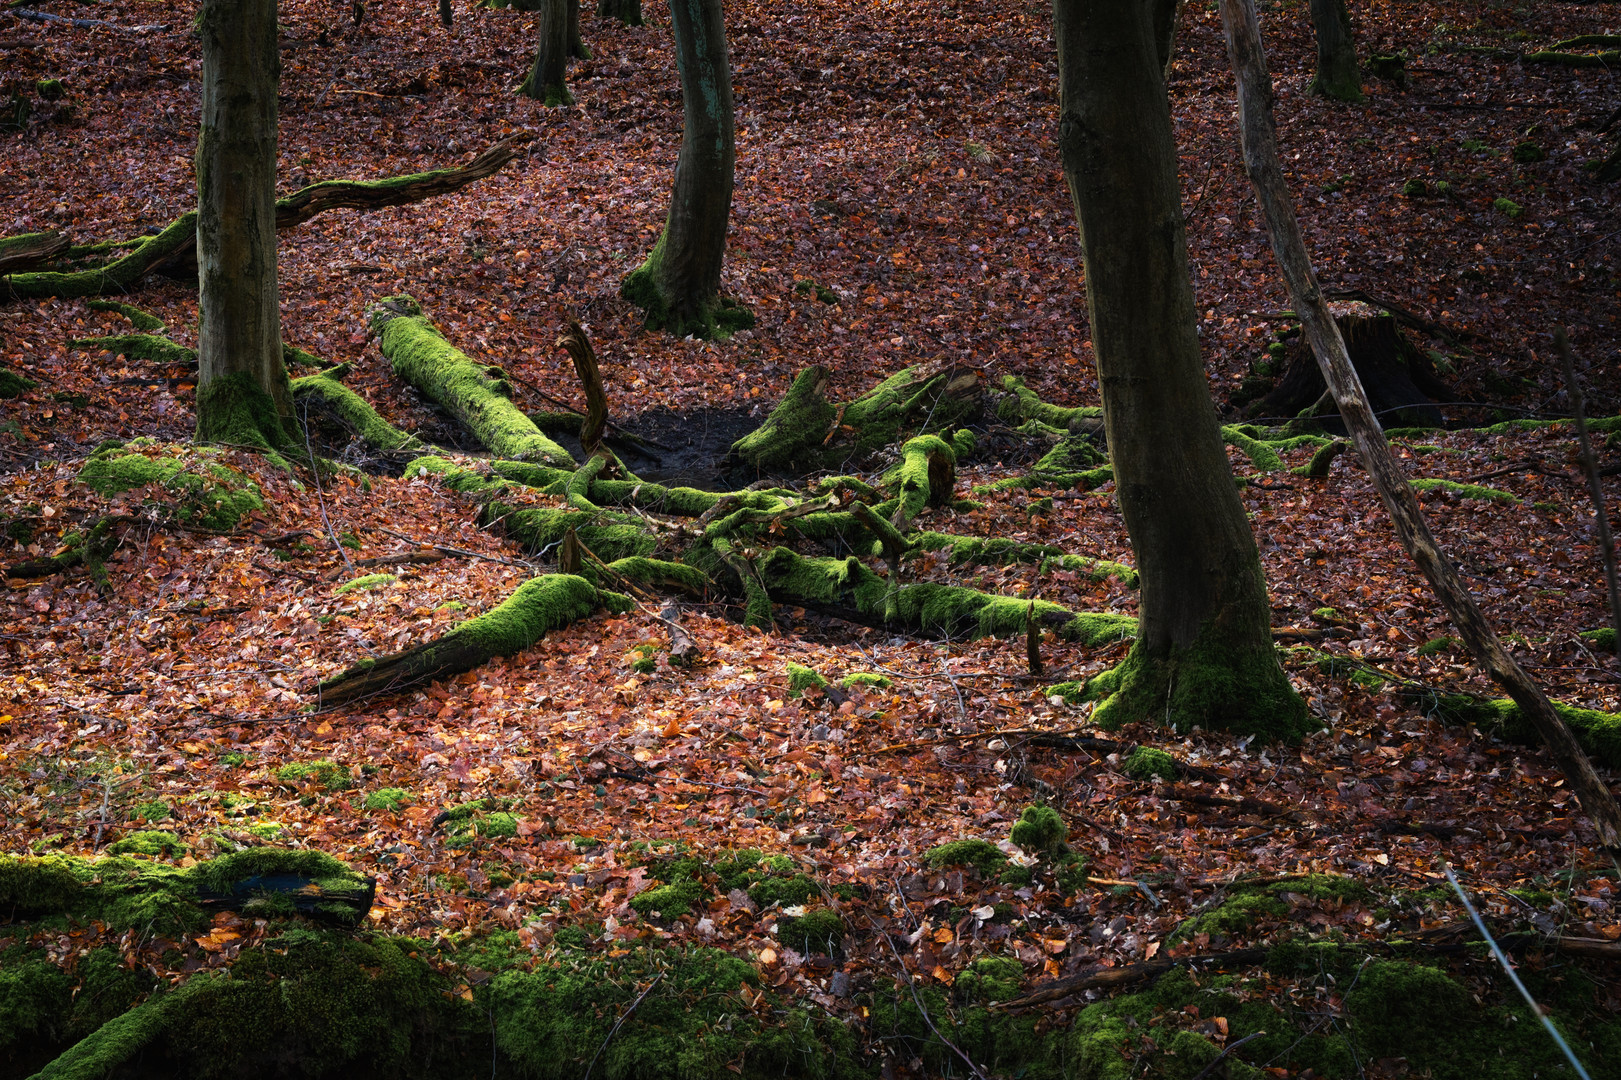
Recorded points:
(14, 385)
(324, 773)
(488, 818)
(990, 978)
(1041, 831)
(866, 680)
(984, 856)
(1146, 762)
(197, 488)
(1070, 693)
(149, 842)
(389, 798)
(1248, 905)
(365, 582)
(802, 679)
(1507, 207)
(817, 931)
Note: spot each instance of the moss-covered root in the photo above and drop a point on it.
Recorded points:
(539, 604)
(144, 321)
(927, 477)
(151, 348)
(356, 413)
(861, 595)
(807, 432)
(1598, 732)
(802, 420)
(1211, 684)
(1020, 405)
(715, 317)
(120, 275)
(476, 395)
(14, 385)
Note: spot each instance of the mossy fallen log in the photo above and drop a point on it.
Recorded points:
(144, 321)
(28, 250)
(125, 893)
(540, 604)
(174, 248)
(1599, 733)
(356, 414)
(477, 395)
(806, 432)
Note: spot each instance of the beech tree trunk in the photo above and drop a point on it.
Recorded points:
(546, 81)
(1204, 651)
(1337, 75)
(679, 284)
(576, 46)
(628, 12)
(242, 392)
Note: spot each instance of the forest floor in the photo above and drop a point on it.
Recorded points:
(901, 155)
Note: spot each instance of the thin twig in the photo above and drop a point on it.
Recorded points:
(320, 499)
(457, 551)
(622, 1018)
(1210, 1068)
(1606, 540)
(962, 708)
(1513, 976)
(907, 975)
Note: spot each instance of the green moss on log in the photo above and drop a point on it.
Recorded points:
(1465, 491)
(365, 582)
(477, 395)
(13, 385)
(143, 321)
(1598, 732)
(355, 412)
(1021, 404)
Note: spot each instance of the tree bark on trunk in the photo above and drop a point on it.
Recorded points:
(1272, 193)
(628, 12)
(242, 393)
(1337, 75)
(546, 81)
(1167, 13)
(1204, 653)
(445, 15)
(679, 284)
(576, 46)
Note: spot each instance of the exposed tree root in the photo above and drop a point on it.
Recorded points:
(174, 249)
(539, 604)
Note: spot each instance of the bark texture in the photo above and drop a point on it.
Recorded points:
(1337, 75)
(679, 284)
(1203, 654)
(242, 393)
(576, 45)
(547, 76)
(1272, 194)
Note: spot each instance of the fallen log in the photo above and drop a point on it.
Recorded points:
(29, 250)
(173, 250)
(478, 396)
(539, 604)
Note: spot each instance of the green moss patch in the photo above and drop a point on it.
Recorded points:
(389, 798)
(191, 483)
(866, 680)
(365, 582)
(1598, 732)
(984, 856)
(324, 773)
(802, 678)
(489, 818)
(148, 842)
(14, 385)
(1465, 491)
(1145, 763)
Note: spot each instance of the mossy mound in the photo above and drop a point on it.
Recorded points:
(984, 856)
(817, 931)
(14, 385)
(489, 818)
(1601, 639)
(191, 483)
(802, 678)
(365, 582)
(389, 798)
(1145, 763)
(866, 680)
(149, 842)
(1248, 905)
(1041, 831)
(324, 773)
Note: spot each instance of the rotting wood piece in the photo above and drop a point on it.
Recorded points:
(29, 250)
(1400, 380)
(174, 249)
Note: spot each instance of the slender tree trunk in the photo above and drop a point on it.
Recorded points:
(628, 12)
(546, 78)
(679, 284)
(1204, 653)
(242, 394)
(576, 46)
(1337, 75)
(1261, 161)
(1167, 13)
(445, 14)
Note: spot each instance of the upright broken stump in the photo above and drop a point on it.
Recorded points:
(1400, 380)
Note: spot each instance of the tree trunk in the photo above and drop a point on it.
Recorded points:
(1261, 161)
(546, 78)
(1166, 15)
(242, 394)
(679, 284)
(628, 12)
(1337, 74)
(576, 47)
(1204, 652)
(445, 14)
